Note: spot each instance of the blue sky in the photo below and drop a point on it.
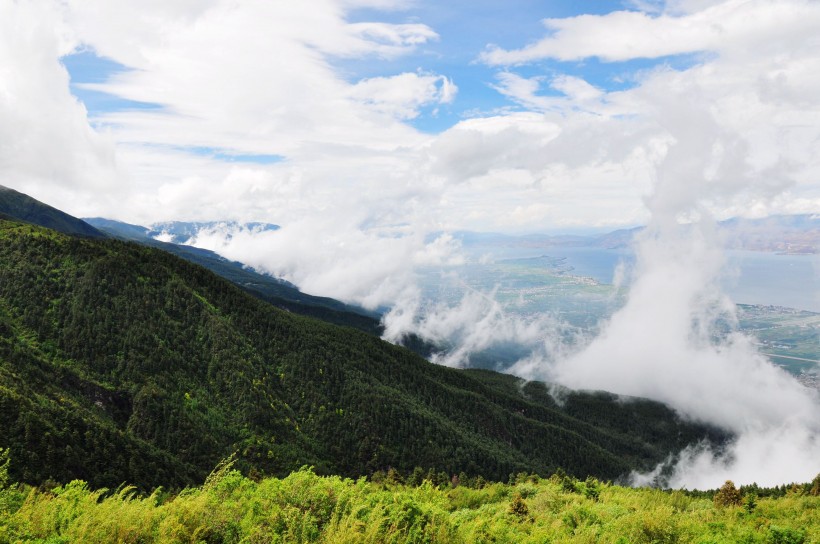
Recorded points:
(85, 66)
(465, 29)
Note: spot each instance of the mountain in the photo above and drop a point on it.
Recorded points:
(123, 363)
(17, 205)
(795, 234)
(282, 294)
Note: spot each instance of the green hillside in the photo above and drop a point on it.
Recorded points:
(123, 363)
(18, 206)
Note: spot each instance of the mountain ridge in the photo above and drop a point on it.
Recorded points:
(17, 205)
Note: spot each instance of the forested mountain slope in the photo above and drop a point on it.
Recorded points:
(119, 362)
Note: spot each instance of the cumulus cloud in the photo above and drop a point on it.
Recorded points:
(587, 155)
(739, 81)
(244, 78)
(394, 38)
(249, 77)
(696, 133)
(44, 132)
(575, 93)
(371, 267)
(787, 453)
(476, 323)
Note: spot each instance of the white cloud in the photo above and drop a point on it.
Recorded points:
(253, 78)
(235, 77)
(771, 128)
(335, 256)
(394, 38)
(662, 343)
(576, 94)
(474, 324)
(261, 79)
(46, 146)
(729, 26)
(402, 95)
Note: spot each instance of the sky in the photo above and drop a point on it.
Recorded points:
(517, 116)
(372, 130)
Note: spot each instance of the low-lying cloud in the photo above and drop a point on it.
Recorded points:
(475, 324)
(664, 344)
(336, 257)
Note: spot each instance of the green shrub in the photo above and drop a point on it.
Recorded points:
(305, 507)
(785, 535)
(518, 507)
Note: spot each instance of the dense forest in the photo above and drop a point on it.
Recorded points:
(123, 363)
(304, 507)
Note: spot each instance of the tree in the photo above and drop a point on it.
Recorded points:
(728, 495)
(519, 508)
(5, 460)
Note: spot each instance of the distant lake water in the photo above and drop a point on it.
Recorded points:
(751, 277)
(594, 262)
(780, 280)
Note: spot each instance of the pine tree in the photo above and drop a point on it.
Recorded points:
(728, 495)
(519, 508)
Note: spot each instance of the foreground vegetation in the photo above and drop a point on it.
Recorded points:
(304, 507)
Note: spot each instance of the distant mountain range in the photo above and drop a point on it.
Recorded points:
(121, 362)
(794, 234)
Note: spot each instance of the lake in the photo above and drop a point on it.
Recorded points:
(751, 277)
